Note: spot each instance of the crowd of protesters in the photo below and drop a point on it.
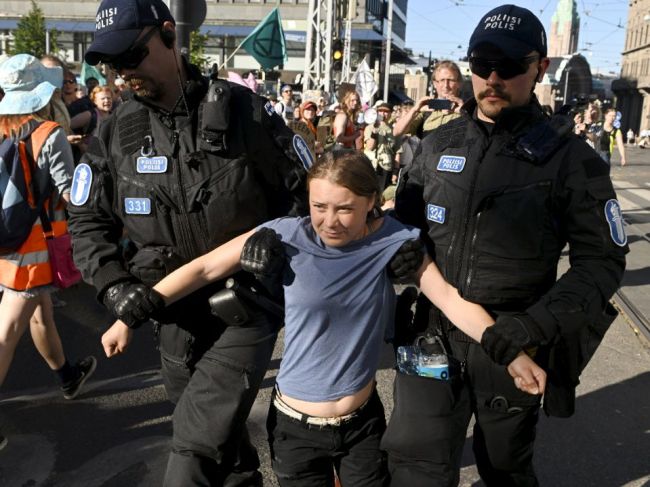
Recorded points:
(386, 133)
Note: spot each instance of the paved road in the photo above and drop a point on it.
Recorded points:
(117, 432)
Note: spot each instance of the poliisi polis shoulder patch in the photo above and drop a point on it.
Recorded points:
(304, 154)
(614, 218)
(151, 165)
(451, 163)
(81, 184)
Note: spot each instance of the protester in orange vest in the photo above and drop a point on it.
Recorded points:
(25, 273)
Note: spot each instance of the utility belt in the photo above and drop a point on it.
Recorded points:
(292, 413)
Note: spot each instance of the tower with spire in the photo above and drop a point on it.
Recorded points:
(565, 27)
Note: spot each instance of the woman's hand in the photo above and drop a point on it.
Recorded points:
(116, 339)
(529, 377)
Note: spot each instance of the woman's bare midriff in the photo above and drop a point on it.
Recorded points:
(331, 409)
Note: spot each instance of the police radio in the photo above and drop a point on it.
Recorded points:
(214, 115)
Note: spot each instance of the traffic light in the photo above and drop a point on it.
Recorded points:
(337, 55)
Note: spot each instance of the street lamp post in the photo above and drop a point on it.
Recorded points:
(389, 37)
(566, 83)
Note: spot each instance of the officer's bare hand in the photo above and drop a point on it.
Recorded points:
(406, 261)
(116, 339)
(528, 376)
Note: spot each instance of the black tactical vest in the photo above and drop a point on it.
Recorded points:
(181, 192)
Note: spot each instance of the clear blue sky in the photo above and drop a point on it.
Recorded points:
(445, 26)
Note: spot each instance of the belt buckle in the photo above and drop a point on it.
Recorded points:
(335, 421)
(316, 421)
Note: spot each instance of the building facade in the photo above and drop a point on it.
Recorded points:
(633, 87)
(565, 29)
(568, 79)
(227, 23)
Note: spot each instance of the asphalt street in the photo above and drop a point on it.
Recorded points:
(117, 432)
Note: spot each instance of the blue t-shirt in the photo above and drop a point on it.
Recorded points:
(339, 302)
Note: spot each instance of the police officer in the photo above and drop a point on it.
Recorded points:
(500, 192)
(181, 169)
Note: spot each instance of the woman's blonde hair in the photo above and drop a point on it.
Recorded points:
(345, 104)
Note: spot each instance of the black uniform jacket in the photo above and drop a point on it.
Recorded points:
(498, 218)
(178, 186)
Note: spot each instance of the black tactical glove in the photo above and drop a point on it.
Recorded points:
(510, 335)
(406, 262)
(264, 256)
(133, 303)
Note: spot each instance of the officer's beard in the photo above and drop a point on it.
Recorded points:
(144, 88)
(488, 109)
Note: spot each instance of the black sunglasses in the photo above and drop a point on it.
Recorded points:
(505, 68)
(70, 81)
(133, 56)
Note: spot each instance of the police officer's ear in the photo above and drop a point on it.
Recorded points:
(541, 69)
(168, 37)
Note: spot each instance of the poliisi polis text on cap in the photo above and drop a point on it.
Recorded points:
(501, 21)
(105, 17)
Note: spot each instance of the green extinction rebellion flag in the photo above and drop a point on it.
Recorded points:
(266, 43)
(88, 71)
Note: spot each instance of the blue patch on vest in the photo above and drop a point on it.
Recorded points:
(81, 184)
(137, 206)
(269, 108)
(451, 163)
(304, 154)
(614, 218)
(151, 165)
(436, 213)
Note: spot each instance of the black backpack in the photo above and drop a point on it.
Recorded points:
(21, 200)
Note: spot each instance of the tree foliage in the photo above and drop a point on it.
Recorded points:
(29, 36)
(198, 42)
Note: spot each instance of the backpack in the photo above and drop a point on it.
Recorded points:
(21, 200)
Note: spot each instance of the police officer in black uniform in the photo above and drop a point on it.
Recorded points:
(500, 192)
(184, 167)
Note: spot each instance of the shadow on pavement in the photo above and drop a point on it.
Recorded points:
(81, 323)
(605, 444)
(75, 435)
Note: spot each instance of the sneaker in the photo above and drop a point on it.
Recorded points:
(86, 368)
(3, 442)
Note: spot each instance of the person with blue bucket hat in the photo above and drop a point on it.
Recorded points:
(26, 278)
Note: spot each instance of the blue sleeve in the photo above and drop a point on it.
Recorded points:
(285, 227)
(401, 232)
